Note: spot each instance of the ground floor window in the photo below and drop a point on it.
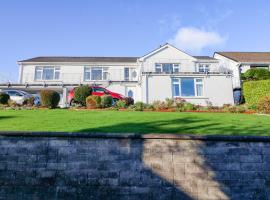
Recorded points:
(187, 87)
(95, 73)
(47, 73)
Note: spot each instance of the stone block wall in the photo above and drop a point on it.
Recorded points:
(93, 166)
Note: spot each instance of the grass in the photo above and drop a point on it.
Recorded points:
(134, 122)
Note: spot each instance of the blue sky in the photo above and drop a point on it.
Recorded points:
(128, 28)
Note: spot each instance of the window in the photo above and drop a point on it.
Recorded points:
(203, 68)
(130, 93)
(95, 73)
(126, 74)
(187, 87)
(167, 67)
(47, 73)
(98, 89)
(158, 68)
(176, 68)
(176, 87)
(199, 87)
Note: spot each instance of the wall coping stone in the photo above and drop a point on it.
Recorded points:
(134, 136)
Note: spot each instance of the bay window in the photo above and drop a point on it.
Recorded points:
(167, 67)
(187, 87)
(47, 73)
(95, 73)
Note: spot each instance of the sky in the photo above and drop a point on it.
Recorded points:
(33, 28)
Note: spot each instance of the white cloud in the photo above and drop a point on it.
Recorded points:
(193, 40)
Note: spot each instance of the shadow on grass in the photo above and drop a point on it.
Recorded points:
(182, 126)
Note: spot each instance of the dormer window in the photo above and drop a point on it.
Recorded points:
(167, 68)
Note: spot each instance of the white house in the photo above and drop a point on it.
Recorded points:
(240, 62)
(166, 72)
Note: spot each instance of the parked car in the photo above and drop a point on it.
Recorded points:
(20, 97)
(98, 91)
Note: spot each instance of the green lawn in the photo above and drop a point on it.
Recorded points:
(134, 122)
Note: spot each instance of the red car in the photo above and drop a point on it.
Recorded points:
(98, 91)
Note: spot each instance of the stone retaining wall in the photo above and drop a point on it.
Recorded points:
(99, 166)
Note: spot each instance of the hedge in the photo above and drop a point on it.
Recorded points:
(255, 90)
(49, 98)
(254, 74)
(81, 93)
(4, 98)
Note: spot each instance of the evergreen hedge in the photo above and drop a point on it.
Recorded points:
(255, 90)
(4, 98)
(81, 93)
(49, 98)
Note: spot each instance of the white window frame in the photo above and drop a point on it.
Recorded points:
(160, 66)
(104, 73)
(195, 87)
(40, 69)
(203, 67)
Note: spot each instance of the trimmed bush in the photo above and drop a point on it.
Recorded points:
(4, 98)
(255, 90)
(255, 74)
(93, 102)
(264, 105)
(106, 101)
(49, 98)
(81, 93)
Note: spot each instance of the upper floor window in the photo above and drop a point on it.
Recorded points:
(187, 87)
(130, 74)
(167, 67)
(47, 73)
(95, 73)
(203, 68)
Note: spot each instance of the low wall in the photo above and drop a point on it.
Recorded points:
(117, 166)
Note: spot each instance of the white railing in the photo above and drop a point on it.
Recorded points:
(78, 78)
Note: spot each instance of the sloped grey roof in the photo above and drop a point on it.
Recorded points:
(81, 59)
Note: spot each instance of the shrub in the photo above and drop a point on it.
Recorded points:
(170, 103)
(159, 105)
(106, 101)
(255, 90)
(81, 93)
(179, 102)
(4, 98)
(93, 102)
(139, 106)
(49, 98)
(30, 101)
(235, 109)
(121, 104)
(129, 101)
(256, 74)
(13, 104)
(189, 106)
(264, 104)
